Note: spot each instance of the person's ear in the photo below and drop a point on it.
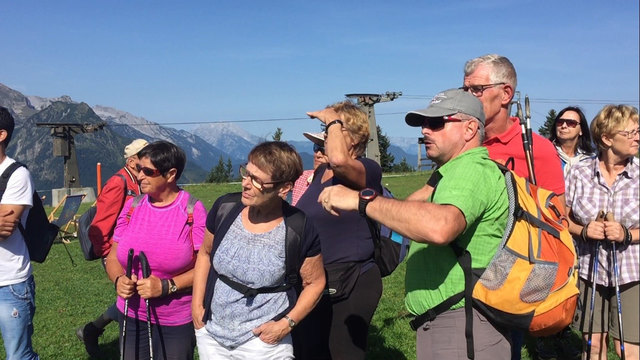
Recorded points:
(606, 140)
(171, 175)
(284, 189)
(3, 135)
(470, 130)
(507, 94)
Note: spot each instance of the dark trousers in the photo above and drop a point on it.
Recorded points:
(169, 342)
(339, 330)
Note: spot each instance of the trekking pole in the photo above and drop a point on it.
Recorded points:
(126, 305)
(594, 278)
(614, 254)
(527, 137)
(146, 271)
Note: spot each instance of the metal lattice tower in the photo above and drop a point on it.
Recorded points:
(64, 145)
(367, 102)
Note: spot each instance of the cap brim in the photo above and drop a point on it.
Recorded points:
(416, 117)
(316, 138)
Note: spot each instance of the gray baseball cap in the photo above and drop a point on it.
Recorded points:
(448, 102)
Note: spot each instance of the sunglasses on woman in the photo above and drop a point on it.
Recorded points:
(438, 123)
(147, 171)
(317, 148)
(570, 122)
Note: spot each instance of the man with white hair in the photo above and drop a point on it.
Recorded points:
(465, 205)
(118, 189)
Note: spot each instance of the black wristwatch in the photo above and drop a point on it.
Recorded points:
(366, 196)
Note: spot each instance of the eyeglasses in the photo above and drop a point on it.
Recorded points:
(257, 183)
(148, 171)
(438, 123)
(629, 134)
(570, 122)
(317, 148)
(477, 90)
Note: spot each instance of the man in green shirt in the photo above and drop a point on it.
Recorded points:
(468, 209)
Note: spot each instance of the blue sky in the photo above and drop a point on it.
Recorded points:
(207, 61)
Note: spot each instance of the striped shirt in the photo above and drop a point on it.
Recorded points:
(588, 193)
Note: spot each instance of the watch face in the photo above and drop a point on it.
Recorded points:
(368, 194)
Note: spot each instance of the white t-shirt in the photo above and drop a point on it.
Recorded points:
(15, 265)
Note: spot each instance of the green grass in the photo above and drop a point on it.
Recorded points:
(69, 296)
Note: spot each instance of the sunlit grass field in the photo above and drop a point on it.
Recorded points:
(72, 291)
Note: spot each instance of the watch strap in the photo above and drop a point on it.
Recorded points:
(165, 287)
(336, 121)
(362, 206)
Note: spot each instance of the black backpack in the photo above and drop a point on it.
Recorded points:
(85, 221)
(294, 221)
(39, 232)
(390, 248)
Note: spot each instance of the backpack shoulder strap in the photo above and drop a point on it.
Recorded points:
(134, 204)
(127, 191)
(231, 204)
(6, 174)
(295, 222)
(191, 204)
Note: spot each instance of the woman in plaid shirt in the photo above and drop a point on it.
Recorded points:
(608, 183)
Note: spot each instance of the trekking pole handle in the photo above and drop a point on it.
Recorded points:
(144, 263)
(519, 112)
(129, 262)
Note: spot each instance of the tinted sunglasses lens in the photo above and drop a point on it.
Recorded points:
(433, 124)
(317, 148)
(570, 123)
(149, 172)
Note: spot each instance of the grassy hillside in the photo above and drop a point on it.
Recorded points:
(72, 291)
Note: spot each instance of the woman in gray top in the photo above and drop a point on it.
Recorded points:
(264, 272)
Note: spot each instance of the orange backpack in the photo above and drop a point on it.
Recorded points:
(530, 283)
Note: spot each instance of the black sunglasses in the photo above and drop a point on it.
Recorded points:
(317, 148)
(570, 122)
(438, 123)
(147, 171)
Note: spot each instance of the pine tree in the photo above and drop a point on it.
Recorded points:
(403, 166)
(218, 173)
(386, 159)
(546, 129)
(229, 170)
(277, 135)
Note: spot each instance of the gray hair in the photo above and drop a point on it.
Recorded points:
(502, 69)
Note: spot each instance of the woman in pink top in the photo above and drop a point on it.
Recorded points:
(168, 226)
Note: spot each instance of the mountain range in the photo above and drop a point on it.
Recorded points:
(204, 145)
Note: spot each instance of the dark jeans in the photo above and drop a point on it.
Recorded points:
(339, 330)
(169, 342)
